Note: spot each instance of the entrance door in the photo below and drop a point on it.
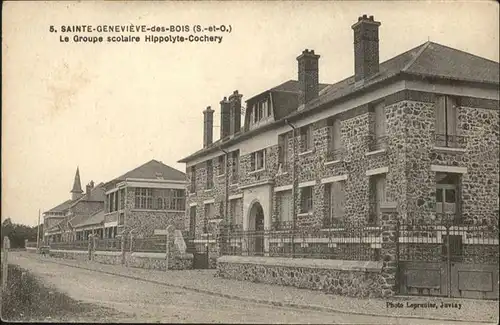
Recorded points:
(256, 227)
(259, 228)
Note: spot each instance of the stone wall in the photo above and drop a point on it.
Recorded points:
(350, 278)
(71, 255)
(146, 221)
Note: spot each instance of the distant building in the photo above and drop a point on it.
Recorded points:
(62, 221)
(149, 197)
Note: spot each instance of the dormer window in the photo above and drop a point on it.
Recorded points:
(261, 110)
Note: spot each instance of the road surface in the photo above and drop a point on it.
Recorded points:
(142, 301)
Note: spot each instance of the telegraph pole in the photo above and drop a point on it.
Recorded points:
(38, 232)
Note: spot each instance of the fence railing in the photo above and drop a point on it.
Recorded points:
(377, 142)
(334, 154)
(108, 244)
(151, 244)
(441, 240)
(339, 242)
(74, 245)
(450, 141)
(30, 244)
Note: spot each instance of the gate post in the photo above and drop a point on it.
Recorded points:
(388, 249)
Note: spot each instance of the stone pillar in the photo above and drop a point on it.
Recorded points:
(388, 251)
(123, 248)
(90, 246)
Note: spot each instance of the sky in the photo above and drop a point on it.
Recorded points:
(110, 107)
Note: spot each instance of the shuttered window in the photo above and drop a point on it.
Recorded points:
(285, 206)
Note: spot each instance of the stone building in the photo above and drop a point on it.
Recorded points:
(418, 132)
(61, 222)
(149, 197)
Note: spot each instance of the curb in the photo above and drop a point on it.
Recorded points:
(270, 302)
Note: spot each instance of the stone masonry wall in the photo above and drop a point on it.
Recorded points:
(342, 282)
(146, 221)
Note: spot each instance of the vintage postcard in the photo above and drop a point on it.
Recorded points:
(329, 162)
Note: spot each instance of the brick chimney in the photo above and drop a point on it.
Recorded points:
(235, 112)
(366, 49)
(89, 187)
(208, 126)
(225, 118)
(308, 76)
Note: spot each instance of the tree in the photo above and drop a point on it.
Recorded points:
(18, 233)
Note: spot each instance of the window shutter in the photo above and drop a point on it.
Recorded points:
(440, 116)
(451, 116)
(380, 119)
(336, 135)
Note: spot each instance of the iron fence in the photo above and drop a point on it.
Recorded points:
(74, 245)
(108, 244)
(450, 141)
(151, 244)
(334, 154)
(341, 241)
(445, 239)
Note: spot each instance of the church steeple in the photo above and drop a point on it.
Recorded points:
(76, 192)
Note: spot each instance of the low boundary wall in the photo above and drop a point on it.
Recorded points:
(349, 278)
(143, 260)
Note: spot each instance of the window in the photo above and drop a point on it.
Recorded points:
(260, 111)
(334, 139)
(306, 199)
(306, 138)
(116, 200)
(222, 165)
(209, 211)
(335, 198)
(122, 199)
(235, 212)
(210, 174)
(193, 180)
(285, 207)
(177, 201)
(447, 194)
(378, 136)
(377, 197)
(169, 199)
(235, 167)
(143, 198)
(258, 160)
(283, 151)
(446, 122)
(111, 202)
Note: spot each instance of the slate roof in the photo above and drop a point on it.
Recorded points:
(61, 207)
(94, 219)
(426, 60)
(152, 170)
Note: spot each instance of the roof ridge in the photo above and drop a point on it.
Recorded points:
(419, 53)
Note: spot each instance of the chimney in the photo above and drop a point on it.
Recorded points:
(225, 118)
(366, 49)
(89, 188)
(208, 126)
(235, 112)
(308, 76)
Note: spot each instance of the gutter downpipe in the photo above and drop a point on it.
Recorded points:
(226, 198)
(294, 185)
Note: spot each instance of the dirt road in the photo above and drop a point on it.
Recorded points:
(141, 301)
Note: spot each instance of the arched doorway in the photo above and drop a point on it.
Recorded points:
(256, 228)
